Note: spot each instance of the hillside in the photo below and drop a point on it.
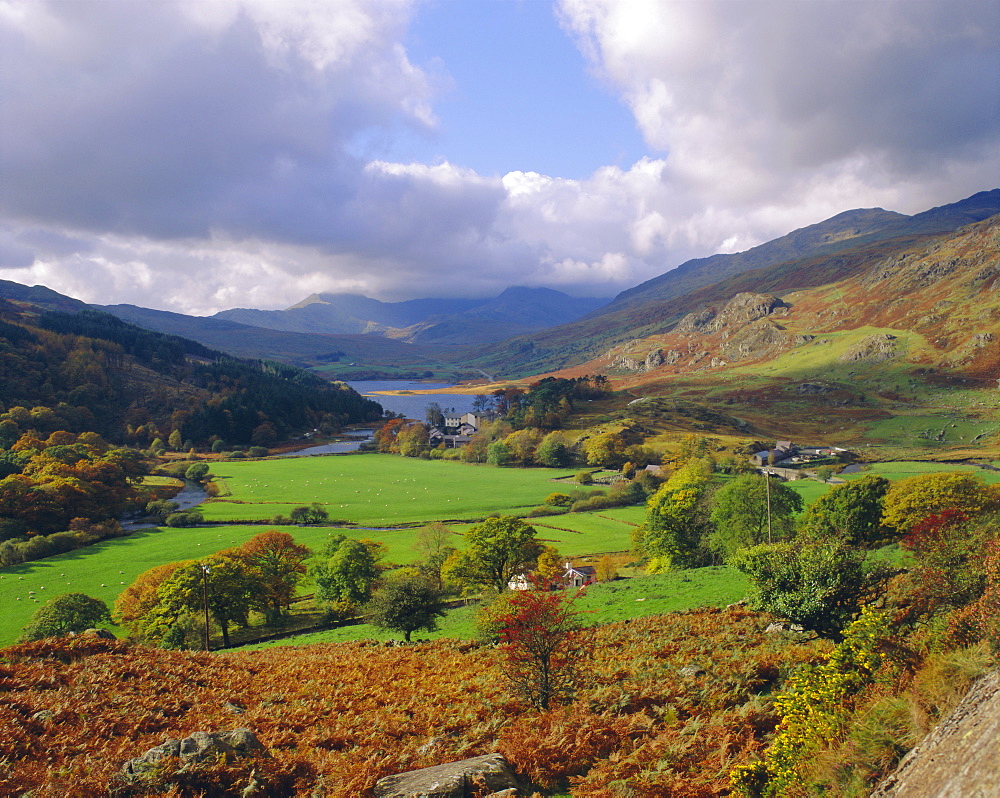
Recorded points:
(81, 707)
(902, 352)
(342, 356)
(100, 374)
(825, 253)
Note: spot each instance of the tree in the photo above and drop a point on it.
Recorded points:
(498, 454)
(196, 472)
(551, 565)
(948, 568)
(277, 562)
(676, 518)
(70, 612)
(821, 586)
(433, 543)
(434, 415)
(496, 551)
(138, 609)
(851, 512)
(406, 604)
(522, 444)
(910, 501)
(752, 509)
(175, 440)
(349, 571)
(553, 451)
(539, 646)
(313, 514)
(413, 439)
(231, 590)
(606, 449)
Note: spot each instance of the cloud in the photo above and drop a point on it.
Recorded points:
(195, 156)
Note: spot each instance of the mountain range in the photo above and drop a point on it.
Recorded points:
(352, 336)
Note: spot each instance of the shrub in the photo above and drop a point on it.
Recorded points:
(584, 478)
(258, 451)
(184, 519)
(544, 510)
(559, 500)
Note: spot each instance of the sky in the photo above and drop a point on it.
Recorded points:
(198, 155)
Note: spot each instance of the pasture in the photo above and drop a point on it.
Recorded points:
(106, 568)
(600, 603)
(377, 490)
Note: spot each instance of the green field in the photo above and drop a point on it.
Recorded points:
(601, 603)
(903, 469)
(104, 569)
(377, 489)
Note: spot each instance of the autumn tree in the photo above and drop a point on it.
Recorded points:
(413, 439)
(277, 563)
(948, 568)
(495, 552)
(406, 604)
(70, 612)
(909, 501)
(137, 607)
(606, 449)
(540, 647)
(749, 510)
(551, 565)
(677, 518)
(851, 512)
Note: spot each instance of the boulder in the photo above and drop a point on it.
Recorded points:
(199, 747)
(460, 779)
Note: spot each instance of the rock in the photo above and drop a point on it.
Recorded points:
(960, 757)
(873, 349)
(43, 715)
(453, 780)
(690, 671)
(199, 747)
(654, 359)
(234, 709)
(103, 634)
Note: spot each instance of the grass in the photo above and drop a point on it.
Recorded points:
(377, 489)
(904, 469)
(601, 603)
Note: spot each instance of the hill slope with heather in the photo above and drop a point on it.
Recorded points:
(847, 244)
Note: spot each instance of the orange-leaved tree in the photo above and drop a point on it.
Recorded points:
(278, 563)
(540, 645)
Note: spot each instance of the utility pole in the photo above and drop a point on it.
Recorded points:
(767, 478)
(204, 584)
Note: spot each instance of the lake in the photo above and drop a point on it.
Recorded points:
(414, 406)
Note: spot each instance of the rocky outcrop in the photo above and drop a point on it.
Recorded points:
(960, 758)
(200, 747)
(872, 349)
(480, 775)
(741, 310)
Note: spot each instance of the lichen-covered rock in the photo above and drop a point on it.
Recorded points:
(460, 779)
(872, 349)
(199, 747)
(960, 757)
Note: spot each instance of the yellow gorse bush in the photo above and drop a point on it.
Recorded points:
(813, 708)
